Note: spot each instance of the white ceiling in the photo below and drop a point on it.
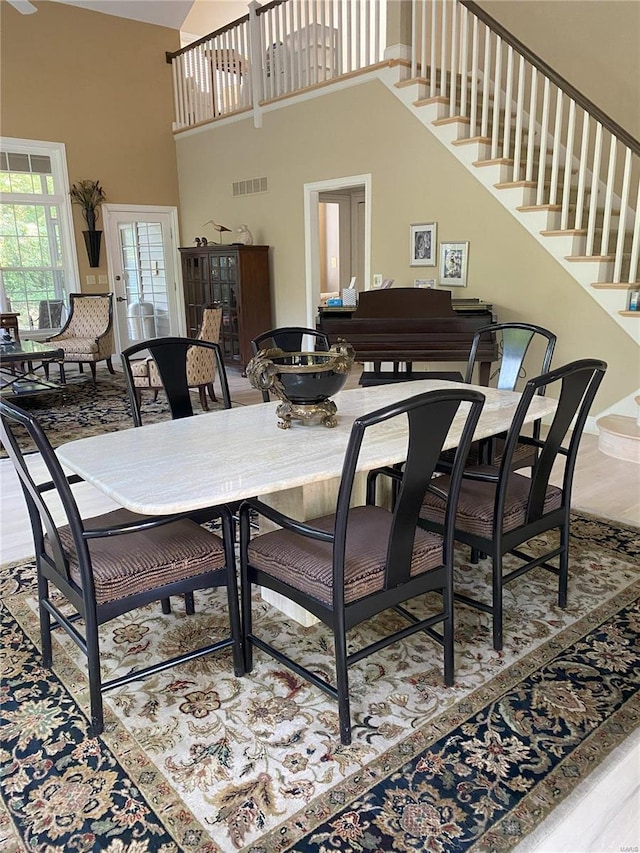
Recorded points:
(166, 13)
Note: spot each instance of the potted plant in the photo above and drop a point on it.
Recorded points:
(90, 195)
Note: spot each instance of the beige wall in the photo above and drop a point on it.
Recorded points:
(101, 85)
(594, 44)
(365, 129)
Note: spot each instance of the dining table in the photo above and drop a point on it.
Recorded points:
(223, 456)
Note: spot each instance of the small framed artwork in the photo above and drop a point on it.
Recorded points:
(424, 282)
(454, 259)
(422, 245)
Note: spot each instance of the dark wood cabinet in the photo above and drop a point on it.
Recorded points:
(237, 278)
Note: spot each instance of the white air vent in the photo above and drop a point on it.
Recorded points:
(250, 186)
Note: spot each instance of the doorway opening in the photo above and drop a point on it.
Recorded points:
(337, 238)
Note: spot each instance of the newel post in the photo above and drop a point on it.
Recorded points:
(255, 52)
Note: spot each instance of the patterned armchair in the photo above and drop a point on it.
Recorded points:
(87, 336)
(201, 363)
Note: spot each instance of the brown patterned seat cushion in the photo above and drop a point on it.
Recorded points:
(306, 564)
(136, 562)
(475, 505)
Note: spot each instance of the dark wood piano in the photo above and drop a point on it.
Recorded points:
(407, 324)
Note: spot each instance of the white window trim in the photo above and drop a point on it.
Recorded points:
(58, 154)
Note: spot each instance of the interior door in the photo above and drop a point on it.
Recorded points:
(143, 273)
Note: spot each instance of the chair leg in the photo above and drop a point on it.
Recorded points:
(166, 606)
(189, 605)
(342, 684)
(155, 395)
(80, 367)
(563, 579)
(63, 378)
(45, 623)
(497, 599)
(212, 392)
(448, 634)
(203, 398)
(245, 587)
(92, 367)
(233, 604)
(110, 366)
(95, 683)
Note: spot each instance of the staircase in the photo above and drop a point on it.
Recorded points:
(567, 172)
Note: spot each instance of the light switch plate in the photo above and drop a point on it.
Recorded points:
(377, 279)
(103, 279)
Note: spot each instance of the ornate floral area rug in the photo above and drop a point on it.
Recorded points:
(198, 761)
(86, 408)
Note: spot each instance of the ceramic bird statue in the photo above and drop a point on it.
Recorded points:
(219, 228)
(245, 236)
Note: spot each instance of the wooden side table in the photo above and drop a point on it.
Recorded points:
(10, 321)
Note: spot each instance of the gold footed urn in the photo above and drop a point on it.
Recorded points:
(303, 381)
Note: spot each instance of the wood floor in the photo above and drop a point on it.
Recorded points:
(603, 814)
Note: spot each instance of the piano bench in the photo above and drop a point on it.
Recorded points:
(386, 377)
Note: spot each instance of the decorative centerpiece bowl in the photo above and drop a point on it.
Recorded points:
(303, 381)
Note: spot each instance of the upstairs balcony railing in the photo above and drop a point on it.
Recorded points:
(546, 135)
(283, 47)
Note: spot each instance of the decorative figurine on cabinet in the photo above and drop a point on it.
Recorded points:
(245, 236)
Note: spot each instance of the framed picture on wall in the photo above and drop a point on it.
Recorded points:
(422, 245)
(454, 259)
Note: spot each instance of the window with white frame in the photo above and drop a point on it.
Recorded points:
(37, 248)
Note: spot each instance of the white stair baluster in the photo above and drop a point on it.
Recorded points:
(593, 201)
(497, 77)
(557, 146)
(622, 220)
(542, 155)
(568, 166)
(486, 83)
(608, 196)
(532, 124)
(506, 136)
(517, 143)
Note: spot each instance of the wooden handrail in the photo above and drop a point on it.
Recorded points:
(170, 56)
(262, 9)
(582, 100)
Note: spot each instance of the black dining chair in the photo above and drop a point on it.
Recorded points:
(499, 510)
(171, 361)
(359, 561)
(291, 339)
(521, 347)
(114, 563)
(171, 358)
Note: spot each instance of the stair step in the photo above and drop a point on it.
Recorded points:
(619, 437)
(612, 285)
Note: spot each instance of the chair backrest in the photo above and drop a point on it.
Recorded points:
(514, 342)
(201, 362)
(170, 358)
(291, 339)
(50, 313)
(90, 315)
(429, 416)
(42, 522)
(575, 385)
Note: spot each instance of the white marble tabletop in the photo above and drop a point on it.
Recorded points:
(222, 456)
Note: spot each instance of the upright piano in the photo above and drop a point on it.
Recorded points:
(408, 324)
